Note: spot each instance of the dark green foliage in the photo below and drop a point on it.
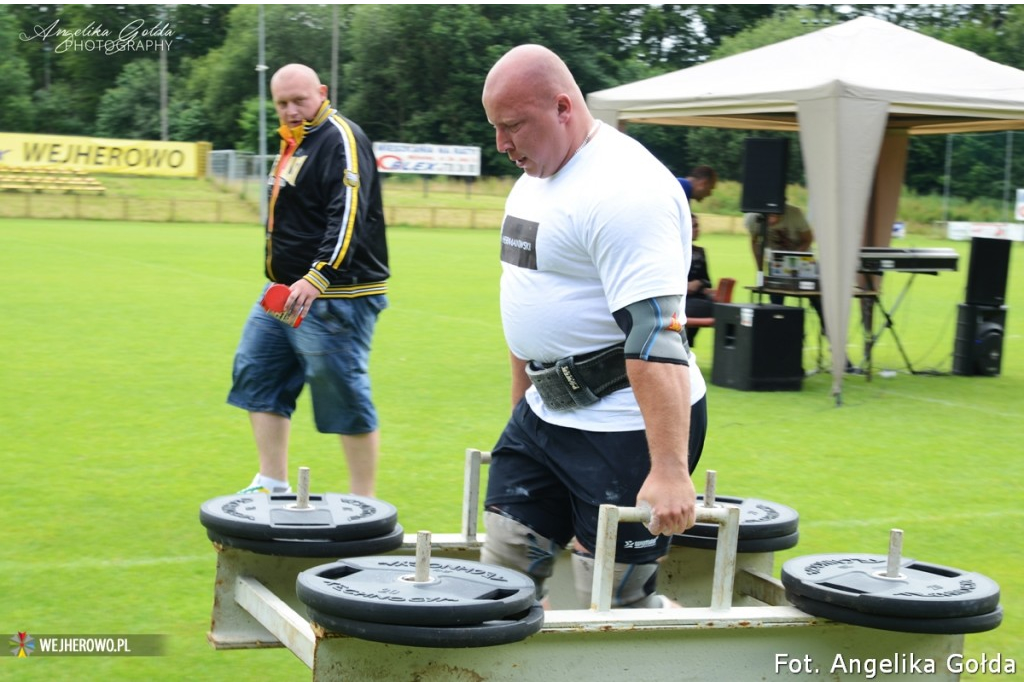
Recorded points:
(413, 72)
(16, 102)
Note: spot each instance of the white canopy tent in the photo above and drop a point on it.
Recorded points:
(855, 92)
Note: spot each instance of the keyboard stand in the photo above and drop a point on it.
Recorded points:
(889, 325)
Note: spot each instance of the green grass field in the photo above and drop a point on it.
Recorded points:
(117, 351)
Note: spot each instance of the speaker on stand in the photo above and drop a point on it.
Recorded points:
(981, 321)
(764, 185)
(987, 271)
(764, 175)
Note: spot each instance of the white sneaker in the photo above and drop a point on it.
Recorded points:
(667, 603)
(257, 486)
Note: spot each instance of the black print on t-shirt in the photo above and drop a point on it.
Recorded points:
(519, 242)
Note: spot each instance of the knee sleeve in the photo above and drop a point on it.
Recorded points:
(513, 545)
(633, 585)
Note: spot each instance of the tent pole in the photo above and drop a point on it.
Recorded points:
(945, 184)
(1007, 210)
(762, 224)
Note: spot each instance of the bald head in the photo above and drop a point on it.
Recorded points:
(533, 70)
(538, 111)
(297, 94)
(294, 73)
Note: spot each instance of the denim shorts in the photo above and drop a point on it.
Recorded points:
(329, 351)
(554, 479)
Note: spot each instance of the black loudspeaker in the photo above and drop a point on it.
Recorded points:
(758, 347)
(978, 350)
(764, 175)
(986, 275)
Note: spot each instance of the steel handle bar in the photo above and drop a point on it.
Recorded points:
(609, 517)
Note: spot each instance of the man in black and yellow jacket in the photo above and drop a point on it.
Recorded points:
(325, 240)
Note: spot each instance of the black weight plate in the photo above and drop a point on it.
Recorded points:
(501, 631)
(857, 581)
(381, 590)
(758, 518)
(261, 516)
(315, 549)
(902, 624)
(746, 546)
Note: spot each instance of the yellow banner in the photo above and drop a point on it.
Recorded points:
(104, 155)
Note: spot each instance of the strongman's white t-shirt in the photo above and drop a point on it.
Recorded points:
(611, 228)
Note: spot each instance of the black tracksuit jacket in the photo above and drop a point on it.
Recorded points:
(326, 218)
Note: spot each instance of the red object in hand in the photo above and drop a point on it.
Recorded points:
(274, 302)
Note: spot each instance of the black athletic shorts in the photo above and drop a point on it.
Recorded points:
(554, 479)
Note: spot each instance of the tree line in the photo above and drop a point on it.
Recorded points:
(413, 72)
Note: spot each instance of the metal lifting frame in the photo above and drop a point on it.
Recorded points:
(255, 606)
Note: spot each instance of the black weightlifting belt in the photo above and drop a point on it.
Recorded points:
(581, 380)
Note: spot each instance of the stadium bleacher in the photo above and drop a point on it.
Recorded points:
(47, 179)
